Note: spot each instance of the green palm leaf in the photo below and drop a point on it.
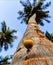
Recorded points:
(34, 8)
(49, 36)
(5, 60)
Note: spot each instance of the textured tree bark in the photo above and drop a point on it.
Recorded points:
(42, 51)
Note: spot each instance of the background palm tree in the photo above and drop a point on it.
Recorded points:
(5, 60)
(6, 36)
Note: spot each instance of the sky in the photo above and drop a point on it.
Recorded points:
(8, 13)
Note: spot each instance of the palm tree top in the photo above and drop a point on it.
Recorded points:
(6, 36)
(32, 8)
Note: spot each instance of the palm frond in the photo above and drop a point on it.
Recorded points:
(49, 36)
(23, 3)
(28, 3)
(3, 26)
(29, 10)
(37, 9)
(46, 5)
(34, 2)
(46, 20)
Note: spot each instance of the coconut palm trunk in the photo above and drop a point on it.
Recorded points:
(41, 52)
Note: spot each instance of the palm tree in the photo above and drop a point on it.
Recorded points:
(41, 52)
(6, 36)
